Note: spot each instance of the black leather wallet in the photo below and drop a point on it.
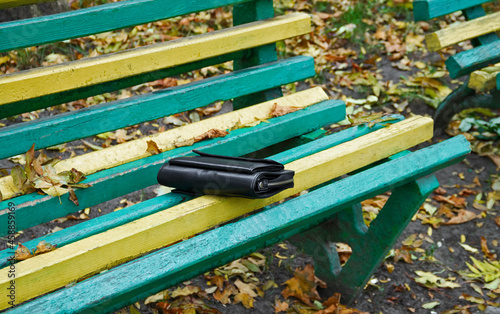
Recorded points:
(224, 175)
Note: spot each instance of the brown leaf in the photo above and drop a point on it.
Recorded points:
(463, 216)
(302, 286)
(245, 299)
(22, 253)
(280, 306)
(402, 254)
(466, 192)
(277, 110)
(218, 281)
(153, 148)
(486, 251)
(18, 176)
(210, 110)
(440, 191)
(453, 200)
(497, 221)
(213, 133)
(44, 247)
(223, 296)
(29, 169)
(72, 196)
(247, 288)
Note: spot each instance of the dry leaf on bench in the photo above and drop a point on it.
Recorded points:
(213, 133)
(278, 110)
(153, 148)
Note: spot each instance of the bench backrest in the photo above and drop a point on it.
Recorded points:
(480, 28)
(257, 76)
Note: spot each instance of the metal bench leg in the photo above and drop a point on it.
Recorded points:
(369, 245)
(463, 98)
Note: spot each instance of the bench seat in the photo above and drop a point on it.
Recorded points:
(95, 267)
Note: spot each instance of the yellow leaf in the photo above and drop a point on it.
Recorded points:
(245, 299)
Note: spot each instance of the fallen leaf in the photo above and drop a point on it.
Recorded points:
(223, 296)
(153, 148)
(187, 290)
(430, 305)
(302, 286)
(162, 295)
(462, 217)
(278, 110)
(44, 247)
(213, 133)
(247, 288)
(280, 306)
(486, 251)
(22, 253)
(468, 248)
(430, 280)
(245, 299)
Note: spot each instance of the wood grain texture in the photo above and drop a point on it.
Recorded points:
(182, 261)
(106, 17)
(7, 4)
(130, 213)
(133, 150)
(424, 10)
(485, 79)
(457, 33)
(468, 61)
(90, 71)
(98, 119)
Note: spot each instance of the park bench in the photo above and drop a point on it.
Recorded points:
(143, 241)
(480, 88)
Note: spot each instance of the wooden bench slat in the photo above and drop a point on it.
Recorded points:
(468, 61)
(133, 150)
(28, 105)
(130, 213)
(169, 266)
(34, 209)
(32, 83)
(454, 34)
(7, 4)
(474, 13)
(106, 17)
(118, 114)
(44, 273)
(424, 10)
(484, 80)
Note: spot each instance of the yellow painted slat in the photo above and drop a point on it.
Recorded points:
(85, 72)
(55, 269)
(136, 149)
(485, 80)
(459, 32)
(5, 4)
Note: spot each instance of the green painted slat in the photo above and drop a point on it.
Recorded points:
(28, 105)
(468, 61)
(424, 10)
(34, 209)
(128, 214)
(106, 17)
(245, 13)
(474, 13)
(142, 277)
(498, 84)
(93, 120)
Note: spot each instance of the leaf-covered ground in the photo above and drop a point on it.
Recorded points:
(373, 56)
